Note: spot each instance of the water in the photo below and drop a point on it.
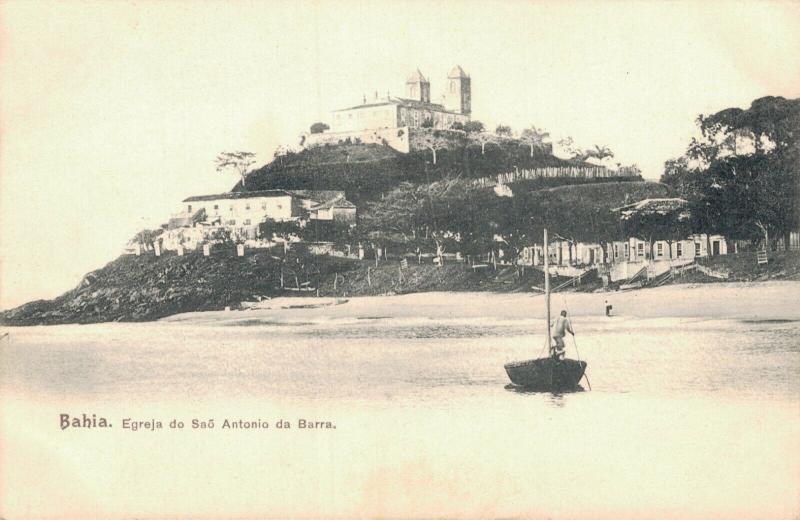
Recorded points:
(687, 417)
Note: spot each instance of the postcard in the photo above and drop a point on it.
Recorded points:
(455, 259)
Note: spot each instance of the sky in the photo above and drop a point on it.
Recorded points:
(111, 113)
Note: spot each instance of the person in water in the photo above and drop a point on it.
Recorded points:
(562, 326)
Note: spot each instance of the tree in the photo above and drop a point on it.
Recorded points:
(473, 126)
(504, 131)
(457, 126)
(434, 140)
(484, 138)
(599, 152)
(533, 137)
(742, 174)
(319, 127)
(401, 211)
(662, 222)
(568, 146)
(240, 162)
(751, 197)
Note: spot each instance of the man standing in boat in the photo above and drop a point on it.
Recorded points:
(562, 326)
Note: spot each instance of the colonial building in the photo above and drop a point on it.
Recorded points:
(413, 110)
(244, 211)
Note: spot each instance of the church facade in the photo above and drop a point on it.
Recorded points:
(415, 110)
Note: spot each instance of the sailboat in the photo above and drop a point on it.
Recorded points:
(547, 374)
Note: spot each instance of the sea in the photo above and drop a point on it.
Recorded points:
(379, 413)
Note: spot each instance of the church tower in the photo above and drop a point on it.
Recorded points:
(458, 92)
(418, 88)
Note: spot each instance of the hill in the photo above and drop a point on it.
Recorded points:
(365, 171)
(146, 288)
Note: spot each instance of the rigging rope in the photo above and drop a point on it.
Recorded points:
(574, 341)
(569, 320)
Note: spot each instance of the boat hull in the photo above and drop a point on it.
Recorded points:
(546, 374)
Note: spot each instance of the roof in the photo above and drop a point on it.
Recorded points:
(650, 206)
(318, 195)
(415, 103)
(368, 105)
(238, 195)
(457, 72)
(402, 102)
(338, 202)
(416, 76)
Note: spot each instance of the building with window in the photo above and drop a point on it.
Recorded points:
(244, 211)
(413, 110)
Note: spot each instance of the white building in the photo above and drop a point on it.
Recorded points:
(242, 212)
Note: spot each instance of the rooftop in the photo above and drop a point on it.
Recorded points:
(403, 102)
(337, 202)
(238, 195)
(416, 76)
(457, 72)
(319, 196)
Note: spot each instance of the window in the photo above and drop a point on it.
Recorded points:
(232, 222)
(616, 250)
(231, 208)
(626, 249)
(247, 206)
(189, 208)
(679, 249)
(216, 206)
(263, 205)
(247, 222)
(659, 249)
(280, 206)
(640, 248)
(697, 249)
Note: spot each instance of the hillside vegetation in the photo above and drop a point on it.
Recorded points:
(366, 170)
(145, 288)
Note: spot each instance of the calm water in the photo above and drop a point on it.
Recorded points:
(686, 418)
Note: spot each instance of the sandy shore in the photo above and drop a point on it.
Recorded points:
(761, 301)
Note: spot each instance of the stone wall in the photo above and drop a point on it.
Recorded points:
(397, 138)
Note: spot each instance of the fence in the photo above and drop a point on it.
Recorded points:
(575, 172)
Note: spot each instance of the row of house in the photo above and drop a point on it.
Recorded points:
(633, 250)
(625, 257)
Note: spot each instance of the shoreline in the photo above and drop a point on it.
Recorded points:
(732, 300)
(769, 299)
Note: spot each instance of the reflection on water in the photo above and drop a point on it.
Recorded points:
(556, 398)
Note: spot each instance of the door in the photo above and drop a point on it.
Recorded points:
(715, 247)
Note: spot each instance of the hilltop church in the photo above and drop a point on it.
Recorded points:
(414, 110)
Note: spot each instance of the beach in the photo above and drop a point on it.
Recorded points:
(691, 389)
(743, 300)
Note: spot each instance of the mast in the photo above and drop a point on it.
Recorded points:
(547, 286)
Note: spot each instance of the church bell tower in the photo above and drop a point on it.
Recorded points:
(418, 88)
(458, 92)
